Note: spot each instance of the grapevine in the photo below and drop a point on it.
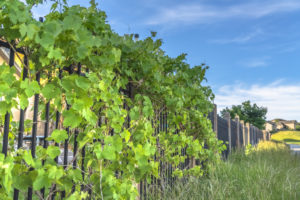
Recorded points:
(110, 91)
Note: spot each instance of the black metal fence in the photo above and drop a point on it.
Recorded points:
(233, 133)
(32, 141)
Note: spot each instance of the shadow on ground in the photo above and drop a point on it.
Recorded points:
(291, 141)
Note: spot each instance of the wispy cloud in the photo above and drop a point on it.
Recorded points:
(256, 62)
(282, 100)
(201, 13)
(240, 39)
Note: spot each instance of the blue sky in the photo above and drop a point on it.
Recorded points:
(252, 47)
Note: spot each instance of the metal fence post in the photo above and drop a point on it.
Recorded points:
(265, 135)
(248, 133)
(243, 133)
(251, 134)
(227, 117)
(237, 120)
(7, 115)
(34, 129)
(215, 119)
(21, 124)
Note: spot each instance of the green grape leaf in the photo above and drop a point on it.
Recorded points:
(126, 135)
(30, 88)
(90, 116)
(82, 103)
(22, 181)
(109, 153)
(41, 180)
(134, 113)
(71, 118)
(83, 83)
(28, 158)
(47, 91)
(98, 150)
(53, 27)
(82, 52)
(4, 107)
(68, 83)
(117, 54)
(50, 91)
(28, 30)
(75, 174)
(59, 136)
(23, 101)
(55, 172)
(71, 22)
(53, 151)
(55, 54)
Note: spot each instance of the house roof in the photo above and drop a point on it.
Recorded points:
(284, 121)
(289, 121)
(270, 122)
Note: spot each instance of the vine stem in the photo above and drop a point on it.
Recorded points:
(101, 178)
(38, 193)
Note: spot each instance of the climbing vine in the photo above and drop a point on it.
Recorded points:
(108, 88)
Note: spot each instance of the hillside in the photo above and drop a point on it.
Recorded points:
(289, 137)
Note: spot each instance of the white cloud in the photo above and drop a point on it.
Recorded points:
(200, 13)
(240, 39)
(282, 100)
(257, 63)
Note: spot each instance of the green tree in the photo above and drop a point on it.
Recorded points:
(248, 112)
(298, 127)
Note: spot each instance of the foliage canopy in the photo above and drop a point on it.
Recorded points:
(248, 112)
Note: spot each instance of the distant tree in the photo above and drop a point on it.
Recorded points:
(249, 113)
(298, 127)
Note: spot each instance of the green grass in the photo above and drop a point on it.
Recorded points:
(289, 137)
(268, 172)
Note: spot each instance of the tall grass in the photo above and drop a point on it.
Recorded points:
(267, 172)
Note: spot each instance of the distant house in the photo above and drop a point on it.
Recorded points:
(290, 124)
(280, 124)
(270, 126)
